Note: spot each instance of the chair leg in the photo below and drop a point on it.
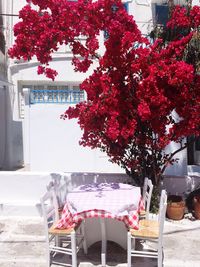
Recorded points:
(133, 243)
(128, 249)
(48, 255)
(160, 257)
(103, 242)
(57, 241)
(73, 247)
(84, 238)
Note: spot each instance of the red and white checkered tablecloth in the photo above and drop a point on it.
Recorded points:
(118, 201)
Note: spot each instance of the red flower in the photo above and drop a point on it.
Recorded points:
(144, 111)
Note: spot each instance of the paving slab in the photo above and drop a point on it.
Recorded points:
(22, 244)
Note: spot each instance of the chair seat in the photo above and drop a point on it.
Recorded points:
(142, 213)
(147, 229)
(54, 231)
(149, 223)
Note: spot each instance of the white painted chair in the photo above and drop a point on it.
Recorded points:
(56, 185)
(65, 241)
(146, 194)
(59, 189)
(151, 230)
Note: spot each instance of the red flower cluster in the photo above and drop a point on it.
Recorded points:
(144, 111)
(180, 17)
(140, 97)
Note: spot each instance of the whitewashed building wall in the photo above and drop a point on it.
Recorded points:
(11, 144)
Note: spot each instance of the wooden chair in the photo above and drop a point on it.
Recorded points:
(151, 230)
(65, 241)
(146, 194)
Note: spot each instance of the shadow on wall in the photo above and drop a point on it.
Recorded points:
(14, 151)
(76, 179)
(180, 185)
(18, 158)
(11, 133)
(68, 181)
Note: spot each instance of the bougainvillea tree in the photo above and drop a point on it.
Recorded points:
(140, 96)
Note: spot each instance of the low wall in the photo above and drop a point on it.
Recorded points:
(180, 185)
(20, 192)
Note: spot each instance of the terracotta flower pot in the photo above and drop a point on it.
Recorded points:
(175, 207)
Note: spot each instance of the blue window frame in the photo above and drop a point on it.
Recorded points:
(126, 6)
(56, 96)
(46, 94)
(161, 14)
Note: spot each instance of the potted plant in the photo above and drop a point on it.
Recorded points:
(196, 202)
(193, 202)
(175, 207)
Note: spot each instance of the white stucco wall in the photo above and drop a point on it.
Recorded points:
(179, 168)
(54, 144)
(142, 13)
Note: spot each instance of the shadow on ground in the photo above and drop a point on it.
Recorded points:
(116, 256)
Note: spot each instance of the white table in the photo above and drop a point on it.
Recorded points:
(106, 200)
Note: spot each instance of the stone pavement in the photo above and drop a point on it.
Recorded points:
(22, 245)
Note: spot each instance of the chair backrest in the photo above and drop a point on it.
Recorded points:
(147, 193)
(55, 185)
(49, 205)
(161, 216)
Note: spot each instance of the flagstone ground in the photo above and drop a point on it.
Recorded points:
(22, 245)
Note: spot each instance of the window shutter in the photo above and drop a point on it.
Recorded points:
(161, 14)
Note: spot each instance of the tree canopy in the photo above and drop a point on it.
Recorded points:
(140, 96)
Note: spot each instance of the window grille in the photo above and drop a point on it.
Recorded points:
(56, 96)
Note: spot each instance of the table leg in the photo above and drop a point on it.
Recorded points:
(103, 242)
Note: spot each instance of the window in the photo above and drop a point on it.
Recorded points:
(161, 14)
(51, 94)
(197, 144)
(56, 94)
(193, 151)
